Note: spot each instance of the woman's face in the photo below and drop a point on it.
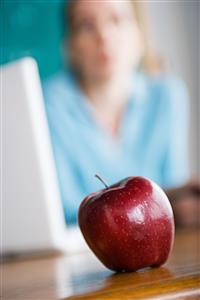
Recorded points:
(105, 39)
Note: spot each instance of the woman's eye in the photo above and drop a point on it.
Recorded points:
(118, 20)
(85, 26)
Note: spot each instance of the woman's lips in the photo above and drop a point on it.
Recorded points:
(106, 58)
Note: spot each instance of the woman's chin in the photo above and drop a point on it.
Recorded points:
(107, 73)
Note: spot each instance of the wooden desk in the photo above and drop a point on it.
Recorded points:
(83, 276)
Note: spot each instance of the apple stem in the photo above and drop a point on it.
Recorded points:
(97, 176)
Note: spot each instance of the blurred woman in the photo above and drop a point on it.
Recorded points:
(108, 116)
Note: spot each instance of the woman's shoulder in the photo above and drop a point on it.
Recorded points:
(168, 85)
(165, 88)
(61, 85)
(165, 94)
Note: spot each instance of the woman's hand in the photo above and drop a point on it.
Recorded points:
(185, 201)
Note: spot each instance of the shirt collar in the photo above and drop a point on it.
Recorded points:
(139, 87)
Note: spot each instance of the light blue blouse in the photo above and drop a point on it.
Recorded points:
(152, 138)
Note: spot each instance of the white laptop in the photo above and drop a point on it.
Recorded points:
(32, 217)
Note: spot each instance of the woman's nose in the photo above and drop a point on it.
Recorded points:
(103, 35)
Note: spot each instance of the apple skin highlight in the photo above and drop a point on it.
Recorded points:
(129, 225)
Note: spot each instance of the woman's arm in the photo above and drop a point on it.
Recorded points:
(191, 188)
(185, 202)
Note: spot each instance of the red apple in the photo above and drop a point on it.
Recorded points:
(128, 225)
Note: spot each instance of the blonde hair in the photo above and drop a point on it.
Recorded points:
(151, 62)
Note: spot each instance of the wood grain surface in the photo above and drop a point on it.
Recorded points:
(84, 277)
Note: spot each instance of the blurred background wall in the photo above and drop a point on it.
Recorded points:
(36, 28)
(32, 28)
(176, 33)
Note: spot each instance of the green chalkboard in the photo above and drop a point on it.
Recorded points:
(32, 28)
